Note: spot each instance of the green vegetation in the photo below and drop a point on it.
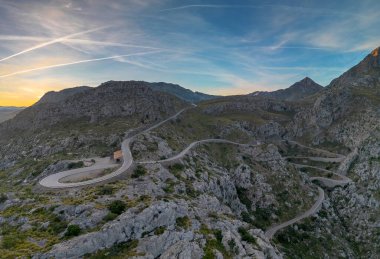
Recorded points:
(72, 231)
(213, 243)
(176, 170)
(368, 93)
(190, 191)
(246, 217)
(223, 154)
(183, 222)
(117, 207)
(139, 171)
(118, 251)
(169, 188)
(74, 165)
(110, 216)
(57, 225)
(3, 198)
(160, 230)
(245, 236)
(302, 244)
(241, 192)
(105, 190)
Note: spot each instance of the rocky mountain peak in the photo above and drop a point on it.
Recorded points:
(54, 97)
(297, 91)
(375, 52)
(368, 70)
(306, 83)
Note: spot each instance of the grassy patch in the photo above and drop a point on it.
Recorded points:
(245, 236)
(176, 170)
(214, 243)
(242, 194)
(183, 222)
(73, 230)
(118, 251)
(139, 171)
(160, 230)
(117, 207)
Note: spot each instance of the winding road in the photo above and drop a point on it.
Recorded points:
(321, 194)
(53, 181)
(314, 209)
(192, 145)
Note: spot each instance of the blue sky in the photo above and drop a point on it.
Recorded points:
(217, 47)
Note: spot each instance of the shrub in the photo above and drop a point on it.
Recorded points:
(57, 225)
(183, 222)
(72, 231)
(117, 207)
(75, 165)
(233, 248)
(110, 216)
(139, 171)
(3, 198)
(121, 250)
(241, 192)
(218, 235)
(246, 217)
(9, 242)
(160, 230)
(245, 236)
(176, 169)
(105, 190)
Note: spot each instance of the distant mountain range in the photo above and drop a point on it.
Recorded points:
(8, 112)
(10, 108)
(297, 91)
(182, 93)
(215, 194)
(176, 90)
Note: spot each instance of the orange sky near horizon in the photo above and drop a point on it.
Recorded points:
(26, 99)
(16, 101)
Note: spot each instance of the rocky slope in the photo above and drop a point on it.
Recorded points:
(7, 113)
(110, 99)
(304, 88)
(180, 92)
(217, 201)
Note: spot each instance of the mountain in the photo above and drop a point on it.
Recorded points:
(182, 93)
(304, 88)
(213, 182)
(109, 100)
(54, 97)
(7, 112)
(348, 107)
(10, 108)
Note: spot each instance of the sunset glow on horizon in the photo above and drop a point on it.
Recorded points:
(215, 47)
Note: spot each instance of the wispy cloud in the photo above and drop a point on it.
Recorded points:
(320, 11)
(216, 47)
(75, 62)
(52, 42)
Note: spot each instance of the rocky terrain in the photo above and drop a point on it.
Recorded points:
(180, 92)
(302, 89)
(216, 201)
(7, 113)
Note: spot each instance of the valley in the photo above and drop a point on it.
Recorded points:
(262, 175)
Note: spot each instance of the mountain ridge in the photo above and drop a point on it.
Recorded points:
(299, 90)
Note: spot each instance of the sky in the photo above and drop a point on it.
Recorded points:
(217, 47)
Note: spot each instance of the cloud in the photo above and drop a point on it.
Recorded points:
(315, 10)
(74, 63)
(51, 42)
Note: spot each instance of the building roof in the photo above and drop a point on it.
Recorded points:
(118, 154)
